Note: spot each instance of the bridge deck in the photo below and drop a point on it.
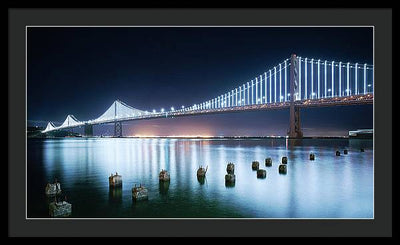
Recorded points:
(324, 102)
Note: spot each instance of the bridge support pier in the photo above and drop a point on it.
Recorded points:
(294, 127)
(118, 129)
(88, 130)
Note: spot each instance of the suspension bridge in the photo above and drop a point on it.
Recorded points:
(295, 83)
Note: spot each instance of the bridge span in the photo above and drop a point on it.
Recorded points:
(313, 83)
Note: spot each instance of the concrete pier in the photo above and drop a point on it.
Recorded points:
(201, 172)
(230, 168)
(230, 178)
(115, 180)
(201, 179)
(282, 169)
(163, 187)
(229, 184)
(118, 129)
(53, 189)
(139, 193)
(255, 165)
(164, 175)
(261, 173)
(88, 130)
(284, 160)
(268, 162)
(60, 209)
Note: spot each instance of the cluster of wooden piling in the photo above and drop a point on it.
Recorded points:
(230, 177)
(345, 151)
(283, 166)
(138, 192)
(261, 173)
(59, 207)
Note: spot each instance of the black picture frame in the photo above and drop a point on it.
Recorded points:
(381, 225)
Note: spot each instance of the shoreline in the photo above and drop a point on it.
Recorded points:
(205, 138)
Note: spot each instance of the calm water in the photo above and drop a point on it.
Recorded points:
(329, 187)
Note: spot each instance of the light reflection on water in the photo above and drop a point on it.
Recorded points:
(329, 187)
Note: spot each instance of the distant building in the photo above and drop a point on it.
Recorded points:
(362, 134)
(34, 131)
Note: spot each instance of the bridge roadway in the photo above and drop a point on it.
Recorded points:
(309, 103)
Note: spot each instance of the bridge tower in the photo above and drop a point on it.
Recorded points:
(117, 125)
(294, 128)
(118, 129)
(88, 130)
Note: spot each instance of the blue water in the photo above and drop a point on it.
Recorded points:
(329, 187)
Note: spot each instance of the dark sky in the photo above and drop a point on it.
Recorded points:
(81, 71)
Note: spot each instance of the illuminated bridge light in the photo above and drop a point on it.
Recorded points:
(275, 84)
(252, 92)
(248, 94)
(261, 89)
(280, 83)
(365, 78)
(305, 79)
(318, 95)
(300, 77)
(270, 86)
(348, 79)
(265, 87)
(333, 75)
(285, 80)
(312, 78)
(340, 78)
(325, 80)
(355, 72)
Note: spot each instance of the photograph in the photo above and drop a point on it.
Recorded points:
(200, 122)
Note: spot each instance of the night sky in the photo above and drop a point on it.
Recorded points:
(81, 71)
